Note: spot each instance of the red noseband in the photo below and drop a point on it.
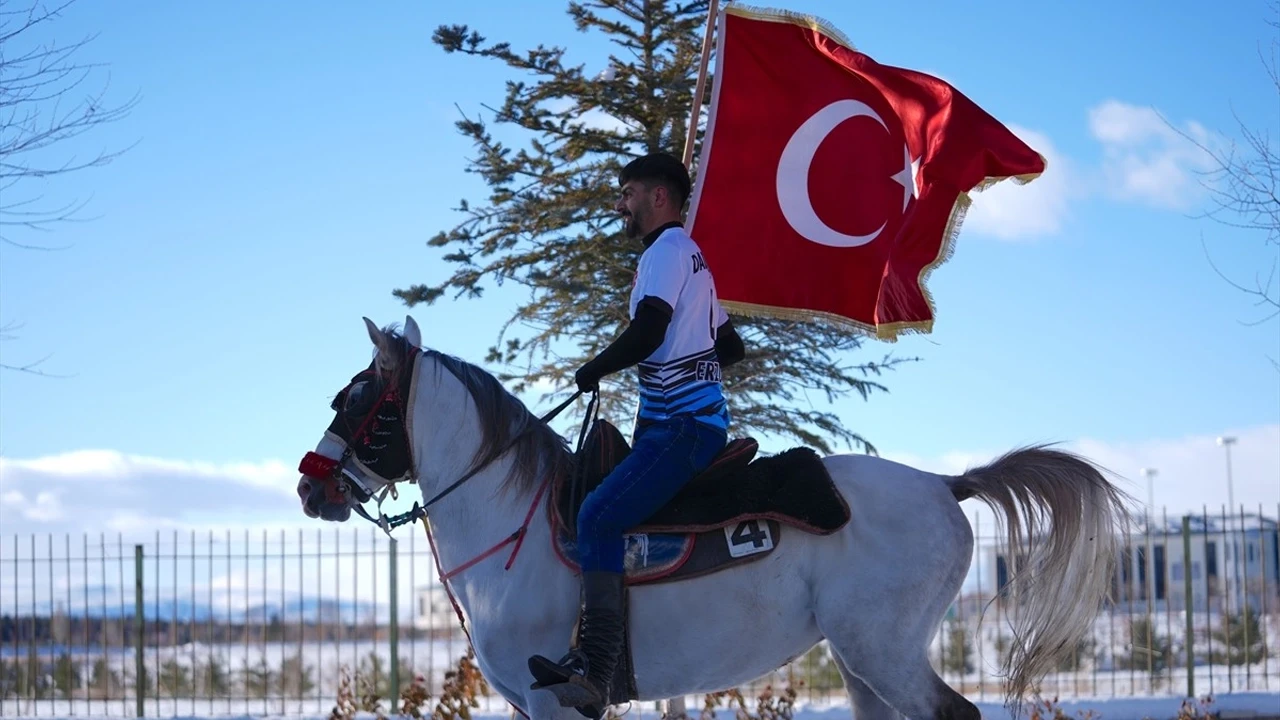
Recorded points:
(317, 466)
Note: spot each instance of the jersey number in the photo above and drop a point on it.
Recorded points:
(748, 538)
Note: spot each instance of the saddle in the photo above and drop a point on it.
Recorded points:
(729, 514)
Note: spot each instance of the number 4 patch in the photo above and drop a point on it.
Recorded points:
(748, 538)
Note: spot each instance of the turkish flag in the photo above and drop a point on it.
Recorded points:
(829, 185)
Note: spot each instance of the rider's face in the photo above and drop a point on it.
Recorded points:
(636, 206)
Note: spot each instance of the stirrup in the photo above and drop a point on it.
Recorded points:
(568, 680)
(547, 673)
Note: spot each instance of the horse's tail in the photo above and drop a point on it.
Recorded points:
(1063, 523)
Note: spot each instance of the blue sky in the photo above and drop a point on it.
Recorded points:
(290, 166)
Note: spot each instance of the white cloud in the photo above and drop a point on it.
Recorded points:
(44, 507)
(109, 464)
(1146, 160)
(47, 507)
(140, 495)
(1191, 472)
(105, 490)
(1012, 211)
(241, 521)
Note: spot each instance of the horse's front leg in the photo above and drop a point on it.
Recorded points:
(675, 709)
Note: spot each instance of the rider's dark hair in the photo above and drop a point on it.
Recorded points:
(659, 169)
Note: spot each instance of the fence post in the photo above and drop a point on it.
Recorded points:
(139, 669)
(1190, 603)
(394, 629)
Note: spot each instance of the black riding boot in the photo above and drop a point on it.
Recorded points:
(581, 679)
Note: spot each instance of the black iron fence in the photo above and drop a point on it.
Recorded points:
(264, 622)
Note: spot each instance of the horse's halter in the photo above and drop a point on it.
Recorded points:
(383, 405)
(371, 423)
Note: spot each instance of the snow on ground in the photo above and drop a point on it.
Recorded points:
(1257, 705)
(1112, 694)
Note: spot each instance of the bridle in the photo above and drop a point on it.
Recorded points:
(338, 479)
(334, 474)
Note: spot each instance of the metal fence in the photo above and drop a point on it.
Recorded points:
(263, 622)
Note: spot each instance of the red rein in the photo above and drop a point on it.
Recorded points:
(318, 466)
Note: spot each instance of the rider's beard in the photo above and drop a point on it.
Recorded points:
(633, 225)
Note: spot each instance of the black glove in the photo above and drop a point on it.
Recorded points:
(587, 378)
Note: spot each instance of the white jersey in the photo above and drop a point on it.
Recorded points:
(683, 375)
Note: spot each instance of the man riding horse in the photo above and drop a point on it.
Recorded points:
(681, 338)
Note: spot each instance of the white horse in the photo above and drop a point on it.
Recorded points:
(876, 587)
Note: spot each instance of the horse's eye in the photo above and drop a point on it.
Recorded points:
(359, 398)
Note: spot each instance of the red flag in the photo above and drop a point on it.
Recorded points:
(829, 185)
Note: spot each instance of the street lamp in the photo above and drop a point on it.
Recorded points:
(1150, 473)
(1225, 442)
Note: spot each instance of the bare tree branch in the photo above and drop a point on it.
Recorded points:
(42, 106)
(45, 102)
(30, 368)
(1262, 291)
(1244, 186)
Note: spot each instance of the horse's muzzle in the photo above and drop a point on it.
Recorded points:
(323, 499)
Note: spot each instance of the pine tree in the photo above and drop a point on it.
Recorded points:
(1242, 637)
(549, 224)
(1147, 648)
(295, 679)
(216, 681)
(957, 649)
(175, 678)
(66, 675)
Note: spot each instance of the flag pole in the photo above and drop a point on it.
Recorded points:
(700, 88)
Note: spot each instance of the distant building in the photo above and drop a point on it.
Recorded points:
(433, 611)
(1236, 558)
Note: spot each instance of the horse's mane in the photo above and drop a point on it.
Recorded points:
(539, 449)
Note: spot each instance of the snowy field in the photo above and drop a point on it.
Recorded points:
(1252, 690)
(1257, 705)
(311, 670)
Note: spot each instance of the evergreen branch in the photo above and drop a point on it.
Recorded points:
(548, 224)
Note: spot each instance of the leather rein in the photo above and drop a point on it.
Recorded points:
(327, 469)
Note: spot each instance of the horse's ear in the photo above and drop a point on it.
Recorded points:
(412, 332)
(384, 360)
(375, 334)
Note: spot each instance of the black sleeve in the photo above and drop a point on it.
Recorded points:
(729, 347)
(637, 342)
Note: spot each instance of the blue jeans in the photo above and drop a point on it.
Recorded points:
(664, 457)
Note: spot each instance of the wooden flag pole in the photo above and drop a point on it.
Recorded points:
(701, 86)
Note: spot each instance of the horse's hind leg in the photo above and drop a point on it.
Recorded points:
(866, 704)
(887, 658)
(884, 646)
(890, 684)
